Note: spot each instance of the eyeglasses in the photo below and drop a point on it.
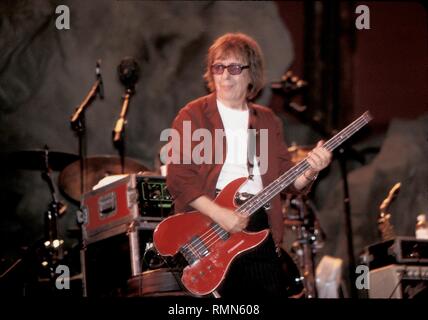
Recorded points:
(233, 69)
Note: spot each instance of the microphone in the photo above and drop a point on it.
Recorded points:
(129, 72)
(100, 79)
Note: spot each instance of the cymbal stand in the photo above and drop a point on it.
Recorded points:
(80, 129)
(56, 208)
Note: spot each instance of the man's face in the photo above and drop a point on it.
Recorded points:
(230, 88)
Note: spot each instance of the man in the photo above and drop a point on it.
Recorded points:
(234, 74)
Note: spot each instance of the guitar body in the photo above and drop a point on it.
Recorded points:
(211, 250)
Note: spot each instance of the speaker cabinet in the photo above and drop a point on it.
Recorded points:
(399, 281)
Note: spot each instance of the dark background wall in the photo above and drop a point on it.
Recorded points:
(45, 73)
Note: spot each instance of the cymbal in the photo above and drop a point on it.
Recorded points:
(97, 168)
(35, 159)
(298, 153)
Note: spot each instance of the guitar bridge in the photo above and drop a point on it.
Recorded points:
(194, 250)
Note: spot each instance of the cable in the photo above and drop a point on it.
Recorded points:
(165, 262)
(399, 281)
(177, 279)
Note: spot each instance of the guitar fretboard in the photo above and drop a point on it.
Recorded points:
(276, 186)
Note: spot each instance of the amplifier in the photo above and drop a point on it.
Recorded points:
(399, 281)
(400, 250)
(155, 202)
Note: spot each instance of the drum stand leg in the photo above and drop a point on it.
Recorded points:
(305, 249)
(216, 294)
(83, 271)
(308, 270)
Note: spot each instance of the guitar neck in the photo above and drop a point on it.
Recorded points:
(275, 187)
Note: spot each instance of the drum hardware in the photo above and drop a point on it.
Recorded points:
(160, 276)
(309, 239)
(156, 283)
(289, 86)
(298, 153)
(37, 263)
(300, 214)
(53, 245)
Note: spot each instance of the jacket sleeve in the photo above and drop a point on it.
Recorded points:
(183, 180)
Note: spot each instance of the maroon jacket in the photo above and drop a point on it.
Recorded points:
(186, 182)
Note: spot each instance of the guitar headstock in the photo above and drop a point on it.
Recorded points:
(367, 116)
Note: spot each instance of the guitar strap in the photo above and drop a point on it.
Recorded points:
(252, 143)
(251, 152)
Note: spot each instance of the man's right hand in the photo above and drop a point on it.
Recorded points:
(228, 219)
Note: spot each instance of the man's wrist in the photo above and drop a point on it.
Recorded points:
(310, 177)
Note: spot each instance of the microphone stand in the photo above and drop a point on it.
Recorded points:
(78, 125)
(346, 152)
(119, 129)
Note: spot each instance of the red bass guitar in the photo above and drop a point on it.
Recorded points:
(208, 248)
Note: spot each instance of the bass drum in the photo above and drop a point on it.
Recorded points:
(295, 288)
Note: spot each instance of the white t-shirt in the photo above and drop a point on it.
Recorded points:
(235, 124)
